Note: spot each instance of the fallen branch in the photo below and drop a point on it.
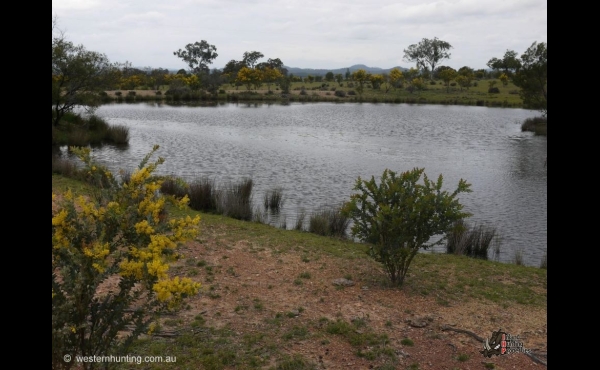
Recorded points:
(480, 339)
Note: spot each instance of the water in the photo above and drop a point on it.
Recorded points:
(316, 151)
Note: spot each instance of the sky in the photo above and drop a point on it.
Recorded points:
(319, 34)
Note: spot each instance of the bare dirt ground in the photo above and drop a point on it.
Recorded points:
(244, 273)
(244, 286)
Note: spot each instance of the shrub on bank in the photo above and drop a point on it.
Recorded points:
(537, 125)
(122, 234)
(76, 130)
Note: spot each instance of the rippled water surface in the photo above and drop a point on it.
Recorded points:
(315, 152)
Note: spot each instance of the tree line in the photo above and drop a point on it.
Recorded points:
(80, 75)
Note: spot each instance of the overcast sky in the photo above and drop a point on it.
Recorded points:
(325, 34)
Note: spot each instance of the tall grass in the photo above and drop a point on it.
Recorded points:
(117, 134)
(544, 262)
(64, 166)
(329, 221)
(518, 258)
(76, 130)
(235, 201)
(537, 125)
(470, 241)
(175, 186)
(299, 225)
(203, 195)
(273, 200)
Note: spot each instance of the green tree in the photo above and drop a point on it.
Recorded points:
(503, 78)
(400, 215)
(250, 77)
(198, 56)
(532, 77)
(339, 78)
(348, 74)
(251, 57)
(416, 83)
(329, 76)
(110, 256)
(411, 74)
(447, 75)
(270, 75)
(285, 83)
(509, 63)
(465, 77)
(231, 70)
(376, 81)
(361, 77)
(78, 76)
(480, 73)
(427, 53)
(387, 82)
(158, 77)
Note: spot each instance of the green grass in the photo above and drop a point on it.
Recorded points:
(453, 278)
(407, 342)
(460, 277)
(433, 94)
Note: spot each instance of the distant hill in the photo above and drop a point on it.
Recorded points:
(303, 72)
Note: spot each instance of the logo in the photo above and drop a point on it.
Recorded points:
(501, 343)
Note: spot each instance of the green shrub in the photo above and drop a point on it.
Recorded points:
(399, 216)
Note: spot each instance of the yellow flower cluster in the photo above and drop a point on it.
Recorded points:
(173, 290)
(184, 228)
(89, 209)
(98, 252)
(151, 207)
(143, 227)
(125, 233)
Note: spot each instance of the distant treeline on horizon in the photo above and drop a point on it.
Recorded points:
(303, 72)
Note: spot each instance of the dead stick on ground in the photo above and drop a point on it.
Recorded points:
(530, 355)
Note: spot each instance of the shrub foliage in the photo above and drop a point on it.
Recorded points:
(110, 258)
(398, 216)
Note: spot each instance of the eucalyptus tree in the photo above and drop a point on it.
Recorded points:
(78, 76)
(509, 63)
(428, 53)
(532, 77)
(198, 56)
(251, 57)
